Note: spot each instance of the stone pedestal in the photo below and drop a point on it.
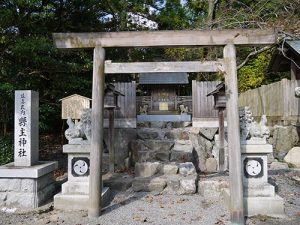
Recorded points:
(259, 195)
(75, 192)
(28, 187)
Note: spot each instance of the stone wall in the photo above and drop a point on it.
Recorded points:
(160, 144)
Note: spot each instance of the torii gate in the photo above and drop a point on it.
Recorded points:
(184, 38)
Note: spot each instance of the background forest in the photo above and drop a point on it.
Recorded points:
(29, 60)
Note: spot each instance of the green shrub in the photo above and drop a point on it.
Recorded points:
(6, 149)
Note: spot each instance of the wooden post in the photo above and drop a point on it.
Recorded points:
(95, 182)
(221, 138)
(235, 169)
(111, 140)
(293, 71)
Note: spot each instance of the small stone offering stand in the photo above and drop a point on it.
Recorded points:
(26, 182)
(75, 192)
(259, 196)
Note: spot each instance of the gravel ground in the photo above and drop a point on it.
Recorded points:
(148, 208)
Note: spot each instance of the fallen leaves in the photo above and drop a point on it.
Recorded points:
(219, 222)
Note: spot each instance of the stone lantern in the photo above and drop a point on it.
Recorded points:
(219, 96)
(111, 97)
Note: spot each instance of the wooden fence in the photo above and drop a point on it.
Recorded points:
(126, 115)
(277, 101)
(203, 107)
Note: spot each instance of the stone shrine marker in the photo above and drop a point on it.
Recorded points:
(26, 150)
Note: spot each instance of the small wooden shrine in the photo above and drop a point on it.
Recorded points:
(162, 91)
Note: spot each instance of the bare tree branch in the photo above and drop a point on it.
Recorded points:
(251, 54)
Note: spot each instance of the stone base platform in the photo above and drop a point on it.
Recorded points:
(78, 201)
(268, 206)
(28, 187)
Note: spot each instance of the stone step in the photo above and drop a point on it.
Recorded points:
(151, 150)
(171, 184)
(148, 169)
(182, 151)
(117, 181)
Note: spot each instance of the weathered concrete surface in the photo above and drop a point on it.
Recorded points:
(117, 181)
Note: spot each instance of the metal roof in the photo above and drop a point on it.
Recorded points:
(295, 46)
(279, 63)
(163, 78)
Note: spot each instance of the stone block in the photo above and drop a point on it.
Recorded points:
(187, 168)
(267, 206)
(145, 134)
(208, 132)
(171, 135)
(293, 157)
(187, 185)
(7, 184)
(27, 199)
(173, 184)
(211, 165)
(149, 184)
(212, 188)
(162, 156)
(26, 186)
(278, 166)
(146, 169)
(264, 206)
(159, 124)
(168, 169)
(143, 156)
(182, 152)
(284, 138)
(160, 145)
(117, 181)
(78, 202)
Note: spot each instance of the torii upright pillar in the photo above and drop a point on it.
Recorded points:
(95, 182)
(235, 165)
